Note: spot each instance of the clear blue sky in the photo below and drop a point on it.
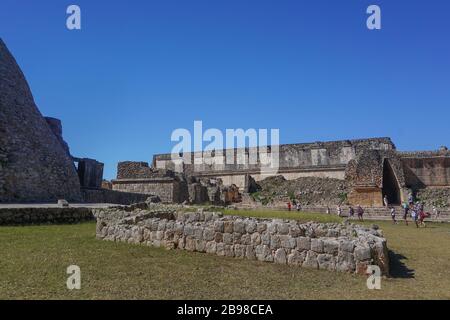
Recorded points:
(140, 69)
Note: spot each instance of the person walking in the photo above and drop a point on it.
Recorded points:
(393, 213)
(385, 201)
(410, 199)
(289, 205)
(422, 216)
(360, 212)
(328, 210)
(339, 211)
(298, 206)
(351, 212)
(415, 216)
(405, 212)
(436, 212)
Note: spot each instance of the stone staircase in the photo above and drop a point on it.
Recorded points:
(370, 213)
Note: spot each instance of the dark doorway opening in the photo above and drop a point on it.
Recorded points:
(390, 184)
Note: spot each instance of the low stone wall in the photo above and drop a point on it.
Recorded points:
(111, 196)
(31, 216)
(334, 247)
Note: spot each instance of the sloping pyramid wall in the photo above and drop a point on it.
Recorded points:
(33, 165)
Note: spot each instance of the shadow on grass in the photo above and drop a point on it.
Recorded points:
(398, 268)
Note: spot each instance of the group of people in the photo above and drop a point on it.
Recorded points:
(410, 208)
(414, 209)
(294, 204)
(351, 212)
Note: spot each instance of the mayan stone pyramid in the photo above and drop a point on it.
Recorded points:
(34, 167)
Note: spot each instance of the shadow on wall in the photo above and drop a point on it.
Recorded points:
(398, 268)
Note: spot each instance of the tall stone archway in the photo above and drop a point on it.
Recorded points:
(391, 187)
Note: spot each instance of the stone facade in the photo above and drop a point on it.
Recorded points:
(34, 165)
(111, 196)
(374, 174)
(333, 247)
(370, 169)
(318, 159)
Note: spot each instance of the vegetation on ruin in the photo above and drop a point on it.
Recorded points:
(34, 260)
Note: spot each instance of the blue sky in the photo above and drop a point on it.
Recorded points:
(140, 69)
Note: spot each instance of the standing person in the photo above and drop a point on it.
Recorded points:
(436, 212)
(339, 210)
(385, 201)
(289, 205)
(422, 216)
(351, 212)
(405, 212)
(415, 216)
(298, 206)
(360, 212)
(393, 215)
(328, 210)
(410, 199)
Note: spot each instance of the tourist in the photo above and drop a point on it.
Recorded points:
(422, 216)
(385, 201)
(298, 206)
(351, 212)
(414, 216)
(410, 199)
(405, 212)
(360, 212)
(289, 205)
(328, 210)
(339, 211)
(393, 213)
(436, 212)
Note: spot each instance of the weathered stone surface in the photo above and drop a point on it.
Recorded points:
(296, 257)
(228, 227)
(280, 256)
(326, 261)
(317, 245)
(34, 166)
(239, 250)
(304, 243)
(311, 260)
(352, 251)
(362, 253)
(263, 253)
(331, 246)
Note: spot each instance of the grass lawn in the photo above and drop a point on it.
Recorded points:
(33, 262)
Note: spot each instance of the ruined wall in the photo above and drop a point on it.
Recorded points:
(111, 196)
(333, 247)
(365, 176)
(90, 173)
(34, 166)
(319, 159)
(167, 189)
(132, 170)
(32, 216)
(427, 172)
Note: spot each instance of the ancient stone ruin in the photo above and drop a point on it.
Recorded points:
(331, 246)
(34, 165)
(35, 161)
(363, 171)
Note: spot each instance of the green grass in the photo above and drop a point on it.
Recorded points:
(33, 262)
(291, 215)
